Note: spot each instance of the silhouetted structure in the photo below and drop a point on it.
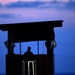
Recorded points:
(13, 45)
(48, 42)
(32, 31)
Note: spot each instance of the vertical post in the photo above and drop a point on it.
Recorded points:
(50, 48)
(51, 56)
(43, 47)
(38, 46)
(35, 68)
(23, 68)
(28, 67)
(10, 47)
(20, 48)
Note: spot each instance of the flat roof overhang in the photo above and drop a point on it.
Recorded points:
(31, 31)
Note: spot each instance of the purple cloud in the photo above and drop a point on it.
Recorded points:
(8, 15)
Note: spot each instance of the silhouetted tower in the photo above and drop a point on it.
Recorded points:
(32, 31)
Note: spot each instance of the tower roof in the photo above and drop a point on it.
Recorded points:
(31, 31)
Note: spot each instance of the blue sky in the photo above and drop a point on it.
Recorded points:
(4, 1)
(16, 12)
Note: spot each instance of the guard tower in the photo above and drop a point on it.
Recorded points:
(28, 32)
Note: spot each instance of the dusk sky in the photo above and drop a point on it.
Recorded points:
(6, 1)
(17, 11)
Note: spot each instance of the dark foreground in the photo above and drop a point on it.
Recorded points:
(55, 74)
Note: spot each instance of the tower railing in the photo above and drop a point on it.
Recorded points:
(28, 68)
